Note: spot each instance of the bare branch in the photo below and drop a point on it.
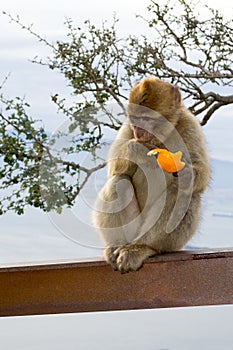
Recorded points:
(29, 29)
(213, 109)
(223, 99)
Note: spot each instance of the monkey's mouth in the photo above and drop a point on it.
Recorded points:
(143, 135)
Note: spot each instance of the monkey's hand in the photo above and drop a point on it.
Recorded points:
(137, 152)
(186, 177)
(130, 155)
(194, 176)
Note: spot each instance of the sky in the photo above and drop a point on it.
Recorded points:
(36, 235)
(37, 83)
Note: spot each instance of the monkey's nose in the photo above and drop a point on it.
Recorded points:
(139, 132)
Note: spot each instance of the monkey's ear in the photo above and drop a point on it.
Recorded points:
(149, 83)
(177, 95)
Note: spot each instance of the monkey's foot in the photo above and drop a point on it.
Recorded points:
(132, 256)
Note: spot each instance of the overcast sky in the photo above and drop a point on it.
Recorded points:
(37, 83)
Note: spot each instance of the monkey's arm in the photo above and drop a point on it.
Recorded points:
(198, 167)
(201, 176)
(197, 160)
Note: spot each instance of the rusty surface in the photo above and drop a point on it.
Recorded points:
(186, 278)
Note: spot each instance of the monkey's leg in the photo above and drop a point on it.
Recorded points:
(119, 216)
(130, 257)
(178, 238)
(154, 238)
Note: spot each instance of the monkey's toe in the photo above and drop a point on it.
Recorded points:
(110, 255)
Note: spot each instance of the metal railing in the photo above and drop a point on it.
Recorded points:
(185, 278)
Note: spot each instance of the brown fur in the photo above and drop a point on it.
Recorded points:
(141, 210)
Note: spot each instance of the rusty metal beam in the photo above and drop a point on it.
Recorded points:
(185, 278)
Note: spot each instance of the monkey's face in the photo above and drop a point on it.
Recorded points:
(143, 128)
(149, 126)
(153, 110)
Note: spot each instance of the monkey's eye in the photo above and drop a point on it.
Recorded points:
(146, 119)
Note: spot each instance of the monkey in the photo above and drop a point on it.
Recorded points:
(141, 210)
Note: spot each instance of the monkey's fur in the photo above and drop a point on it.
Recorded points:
(141, 210)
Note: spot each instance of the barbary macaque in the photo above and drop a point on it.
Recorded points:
(142, 210)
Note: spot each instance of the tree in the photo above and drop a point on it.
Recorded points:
(192, 50)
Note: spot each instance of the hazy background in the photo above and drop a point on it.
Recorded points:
(37, 236)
